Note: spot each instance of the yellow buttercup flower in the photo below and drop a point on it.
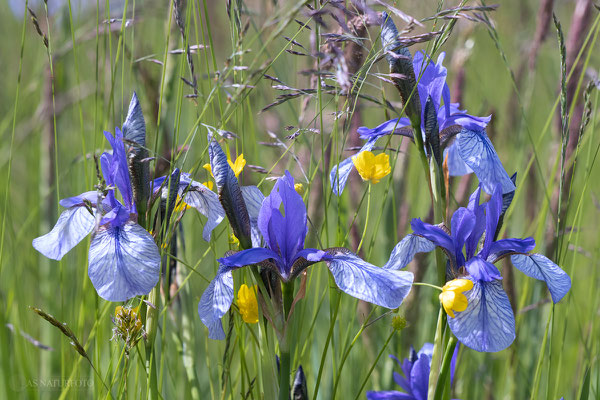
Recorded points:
(246, 301)
(372, 167)
(208, 184)
(452, 297)
(234, 240)
(180, 205)
(299, 188)
(237, 166)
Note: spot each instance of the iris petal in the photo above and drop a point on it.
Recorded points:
(73, 225)
(419, 377)
(478, 153)
(541, 267)
(205, 201)
(358, 278)
(406, 249)
(215, 302)
(253, 198)
(123, 262)
(488, 323)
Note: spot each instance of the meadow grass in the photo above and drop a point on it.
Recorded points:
(58, 98)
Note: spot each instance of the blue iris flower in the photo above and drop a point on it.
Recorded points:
(285, 255)
(123, 258)
(488, 323)
(471, 150)
(415, 381)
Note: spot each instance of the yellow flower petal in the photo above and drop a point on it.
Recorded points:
(208, 184)
(371, 167)
(246, 301)
(299, 188)
(452, 297)
(208, 168)
(238, 165)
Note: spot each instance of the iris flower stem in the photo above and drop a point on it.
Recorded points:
(362, 238)
(284, 343)
(438, 348)
(151, 327)
(442, 382)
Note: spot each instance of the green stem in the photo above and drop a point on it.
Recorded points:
(151, 328)
(443, 380)
(438, 348)
(366, 219)
(284, 342)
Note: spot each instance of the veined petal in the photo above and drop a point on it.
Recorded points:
(406, 249)
(462, 225)
(119, 169)
(134, 127)
(215, 302)
(479, 227)
(206, 202)
(456, 165)
(493, 208)
(478, 153)
(230, 193)
(123, 262)
(73, 225)
(541, 267)
(488, 323)
(254, 199)
(358, 278)
(339, 173)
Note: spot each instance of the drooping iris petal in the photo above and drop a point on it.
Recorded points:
(460, 117)
(503, 246)
(284, 234)
(406, 249)
(253, 198)
(434, 233)
(123, 262)
(541, 267)
(488, 323)
(358, 278)
(456, 165)
(312, 255)
(205, 201)
(73, 225)
(215, 302)
(478, 153)
(339, 173)
(482, 270)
